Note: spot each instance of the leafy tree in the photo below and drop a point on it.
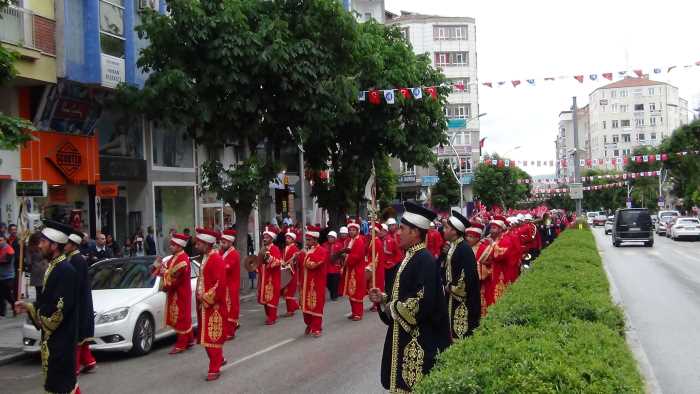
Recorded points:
(386, 180)
(249, 73)
(684, 171)
(445, 193)
(645, 190)
(356, 133)
(562, 202)
(606, 199)
(14, 131)
(495, 185)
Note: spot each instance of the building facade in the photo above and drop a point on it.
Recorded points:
(633, 112)
(565, 140)
(450, 42)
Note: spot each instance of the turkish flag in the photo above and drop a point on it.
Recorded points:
(431, 91)
(406, 93)
(579, 78)
(652, 158)
(664, 157)
(638, 159)
(626, 160)
(375, 97)
(608, 76)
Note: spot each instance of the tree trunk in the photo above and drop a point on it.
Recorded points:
(241, 227)
(336, 218)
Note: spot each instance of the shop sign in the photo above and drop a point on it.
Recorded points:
(107, 190)
(68, 159)
(407, 179)
(428, 180)
(31, 189)
(112, 71)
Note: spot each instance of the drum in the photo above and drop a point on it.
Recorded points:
(251, 263)
(286, 276)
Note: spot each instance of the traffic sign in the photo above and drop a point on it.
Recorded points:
(576, 191)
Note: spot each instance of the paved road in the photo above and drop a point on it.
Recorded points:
(660, 290)
(262, 359)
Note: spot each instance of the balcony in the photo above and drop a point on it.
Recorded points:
(17, 27)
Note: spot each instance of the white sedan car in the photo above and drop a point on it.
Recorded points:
(129, 308)
(609, 224)
(685, 228)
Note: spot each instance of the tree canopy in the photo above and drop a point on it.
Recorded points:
(645, 190)
(495, 185)
(684, 171)
(445, 193)
(606, 199)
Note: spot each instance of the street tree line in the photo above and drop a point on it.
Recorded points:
(263, 76)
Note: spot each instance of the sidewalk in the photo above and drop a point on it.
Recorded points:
(11, 339)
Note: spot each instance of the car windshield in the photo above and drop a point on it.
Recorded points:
(688, 221)
(122, 274)
(636, 217)
(592, 214)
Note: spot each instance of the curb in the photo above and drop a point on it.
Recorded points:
(631, 337)
(20, 355)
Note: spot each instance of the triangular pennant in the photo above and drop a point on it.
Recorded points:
(515, 83)
(550, 79)
(593, 77)
(489, 84)
(621, 73)
(670, 68)
(579, 78)
(417, 93)
(657, 71)
(608, 76)
(531, 81)
(432, 92)
(639, 73)
(362, 96)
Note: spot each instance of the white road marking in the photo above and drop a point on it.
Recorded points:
(247, 296)
(263, 351)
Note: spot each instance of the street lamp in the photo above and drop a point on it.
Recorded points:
(302, 187)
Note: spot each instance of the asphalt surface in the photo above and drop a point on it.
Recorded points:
(262, 359)
(659, 288)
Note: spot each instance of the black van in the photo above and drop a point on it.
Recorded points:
(633, 225)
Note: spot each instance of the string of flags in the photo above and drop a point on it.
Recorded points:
(389, 96)
(516, 163)
(581, 78)
(567, 179)
(564, 190)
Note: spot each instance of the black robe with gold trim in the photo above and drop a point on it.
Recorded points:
(86, 314)
(55, 314)
(416, 314)
(462, 288)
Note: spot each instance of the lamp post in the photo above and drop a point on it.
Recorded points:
(302, 186)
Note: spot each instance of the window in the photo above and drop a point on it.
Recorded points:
(368, 16)
(660, 105)
(460, 82)
(639, 122)
(626, 152)
(616, 138)
(120, 135)
(458, 111)
(641, 137)
(652, 121)
(639, 107)
(626, 138)
(174, 208)
(605, 139)
(613, 93)
(405, 33)
(458, 32)
(112, 27)
(604, 124)
(616, 153)
(653, 136)
(623, 93)
(407, 169)
(615, 108)
(615, 124)
(626, 123)
(623, 107)
(652, 107)
(652, 92)
(452, 58)
(172, 148)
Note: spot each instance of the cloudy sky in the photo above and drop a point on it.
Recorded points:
(532, 40)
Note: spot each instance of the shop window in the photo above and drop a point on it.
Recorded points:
(174, 209)
(172, 147)
(120, 136)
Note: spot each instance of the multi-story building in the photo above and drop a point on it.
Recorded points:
(451, 44)
(27, 28)
(366, 10)
(633, 112)
(565, 140)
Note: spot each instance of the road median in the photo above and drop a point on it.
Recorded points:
(555, 330)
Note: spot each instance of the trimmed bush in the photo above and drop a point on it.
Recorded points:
(555, 330)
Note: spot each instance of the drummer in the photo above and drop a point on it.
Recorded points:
(269, 272)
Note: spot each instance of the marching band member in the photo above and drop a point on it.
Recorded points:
(353, 276)
(232, 262)
(176, 274)
(312, 294)
(289, 262)
(269, 274)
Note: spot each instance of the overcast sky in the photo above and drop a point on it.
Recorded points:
(526, 40)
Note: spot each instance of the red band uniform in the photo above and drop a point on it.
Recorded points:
(269, 282)
(289, 291)
(178, 302)
(312, 295)
(352, 283)
(232, 261)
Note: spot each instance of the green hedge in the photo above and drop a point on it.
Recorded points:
(555, 330)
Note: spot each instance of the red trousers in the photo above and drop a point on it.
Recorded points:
(313, 322)
(184, 340)
(83, 357)
(271, 313)
(216, 358)
(231, 327)
(356, 308)
(288, 293)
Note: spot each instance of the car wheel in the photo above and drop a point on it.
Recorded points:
(649, 244)
(616, 244)
(144, 334)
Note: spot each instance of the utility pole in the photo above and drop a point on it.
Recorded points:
(577, 167)
(302, 190)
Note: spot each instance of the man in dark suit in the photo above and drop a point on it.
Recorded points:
(100, 251)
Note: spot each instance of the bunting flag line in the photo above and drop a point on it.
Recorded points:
(567, 180)
(565, 191)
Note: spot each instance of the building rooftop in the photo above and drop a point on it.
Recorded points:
(407, 16)
(630, 82)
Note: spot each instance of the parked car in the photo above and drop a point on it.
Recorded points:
(668, 225)
(129, 308)
(632, 225)
(685, 228)
(664, 217)
(599, 219)
(590, 216)
(609, 225)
